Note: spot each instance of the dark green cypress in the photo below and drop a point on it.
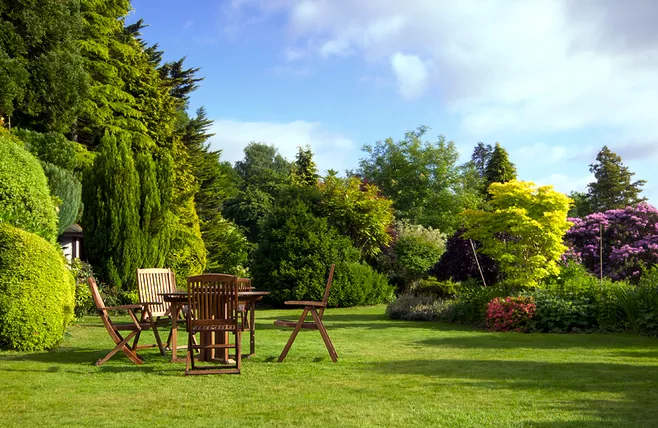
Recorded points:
(111, 195)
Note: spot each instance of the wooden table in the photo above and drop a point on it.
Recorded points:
(179, 298)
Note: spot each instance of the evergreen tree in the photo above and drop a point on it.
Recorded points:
(613, 188)
(581, 206)
(127, 220)
(499, 168)
(304, 172)
(42, 78)
(111, 220)
(480, 157)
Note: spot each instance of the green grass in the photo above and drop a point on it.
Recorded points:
(390, 373)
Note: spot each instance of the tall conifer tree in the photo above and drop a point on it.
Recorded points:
(613, 187)
(499, 168)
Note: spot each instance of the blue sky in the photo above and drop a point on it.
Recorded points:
(552, 81)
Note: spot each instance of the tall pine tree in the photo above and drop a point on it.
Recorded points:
(613, 187)
(499, 168)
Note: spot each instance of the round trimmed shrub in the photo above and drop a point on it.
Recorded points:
(36, 291)
(25, 200)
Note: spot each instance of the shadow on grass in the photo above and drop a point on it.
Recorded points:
(634, 384)
(361, 321)
(85, 357)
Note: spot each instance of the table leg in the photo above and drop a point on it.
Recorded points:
(174, 331)
(252, 327)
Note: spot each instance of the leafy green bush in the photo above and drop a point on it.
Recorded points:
(413, 307)
(68, 189)
(573, 300)
(562, 312)
(84, 304)
(21, 174)
(293, 258)
(36, 291)
(470, 307)
(358, 284)
(414, 251)
(640, 304)
(441, 289)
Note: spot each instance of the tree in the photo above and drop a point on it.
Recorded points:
(68, 189)
(296, 249)
(613, 188)
(304, 171)
(263, 167)
(523, 232)
(458, 262)
(127, 219)
(42, 79)
(358, 211)
(481, 156)
(581, 205)
(111, 217)
(499, 168)
(416, 250)
(422, 179)
(262, 174)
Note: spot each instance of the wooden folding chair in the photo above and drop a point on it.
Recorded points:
(213, 311)
(135, 328)
(316, 324)
(151, 283)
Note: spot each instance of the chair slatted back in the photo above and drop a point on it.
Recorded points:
(150, 283)
(325, 299)
(212, 299)
(244, 284)
(100, 306)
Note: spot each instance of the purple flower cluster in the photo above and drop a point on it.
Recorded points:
(630, 241)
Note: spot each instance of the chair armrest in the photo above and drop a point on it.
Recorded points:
(304, 303)
(129, 308)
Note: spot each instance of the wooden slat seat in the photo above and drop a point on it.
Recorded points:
(304, 303)
(139, 326)
(312, 308)
(283, 323)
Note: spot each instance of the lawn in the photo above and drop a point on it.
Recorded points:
(389, 373)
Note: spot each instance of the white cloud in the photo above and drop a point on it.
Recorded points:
(539, 153)
(500, 65)
(565, 183)
(331, 149)
(188, 24)
(411, 75)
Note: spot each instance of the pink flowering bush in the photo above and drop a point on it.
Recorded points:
(630, 241)
(510, 313)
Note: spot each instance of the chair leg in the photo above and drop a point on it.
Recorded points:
(238, 349)
(136, 341)
(157, 337)
(325, 335)
(293, 335)
(122, 346)
(189, 362)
